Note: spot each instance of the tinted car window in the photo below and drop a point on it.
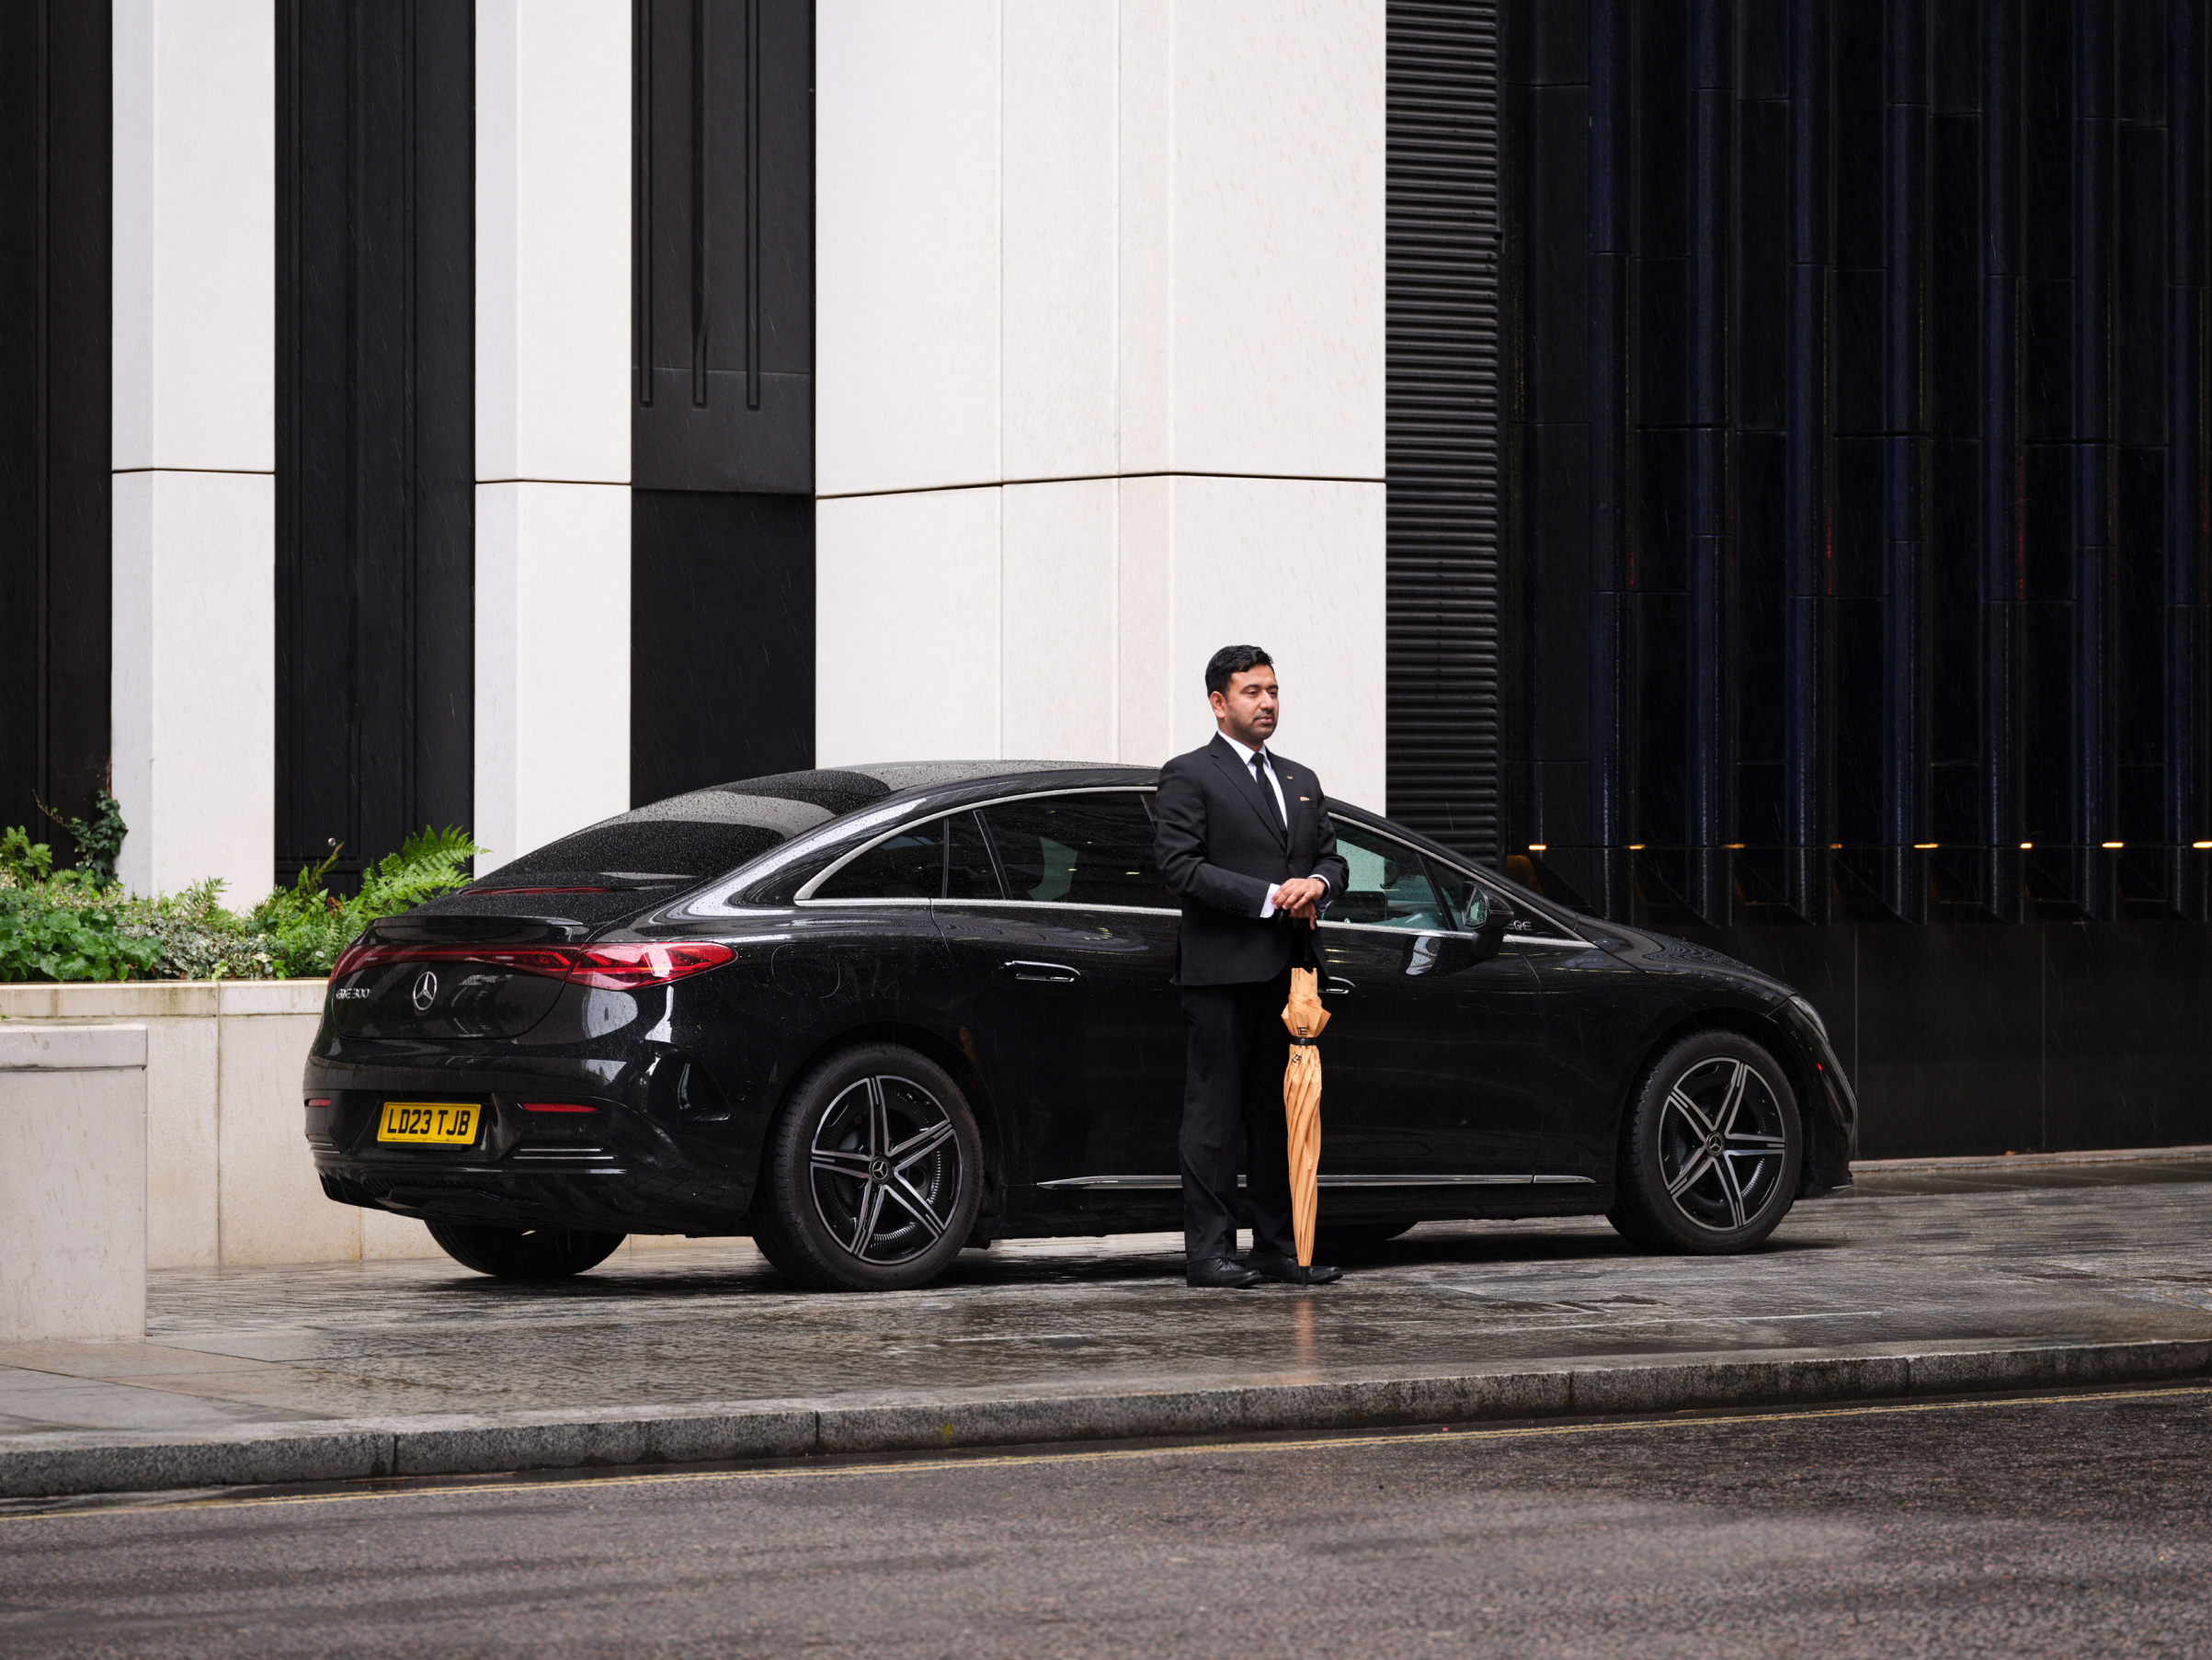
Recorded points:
(945, 857)
(1459, 890)
(1078, 850)
(1389, 884)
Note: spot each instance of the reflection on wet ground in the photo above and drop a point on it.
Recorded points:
(2043, 1255)
(2019, 1174)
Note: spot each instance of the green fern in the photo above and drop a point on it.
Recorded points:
(309, 926)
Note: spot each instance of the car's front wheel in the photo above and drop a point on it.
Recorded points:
(874, 1174)
(1710, 1150)
(523, 1253)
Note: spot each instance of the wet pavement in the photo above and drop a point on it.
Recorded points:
(2057, 1525)
(1992, 1256)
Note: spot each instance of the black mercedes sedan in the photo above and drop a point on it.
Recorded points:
(871, 1015)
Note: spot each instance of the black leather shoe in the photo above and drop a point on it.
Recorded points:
(1225, 1272)
(1276, 1265)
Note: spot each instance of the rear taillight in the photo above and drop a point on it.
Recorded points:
(551, 960)
(622, 968)
(615, 968)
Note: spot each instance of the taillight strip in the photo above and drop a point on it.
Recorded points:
(628, 966)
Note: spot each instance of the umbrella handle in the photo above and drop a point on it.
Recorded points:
(1304, 1014)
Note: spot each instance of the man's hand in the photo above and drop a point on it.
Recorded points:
(1300, 895)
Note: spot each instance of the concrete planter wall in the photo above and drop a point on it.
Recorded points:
(73, 1182)
(229, 1180)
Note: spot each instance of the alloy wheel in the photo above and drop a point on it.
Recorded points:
(1722, 1144)
(883, 1169)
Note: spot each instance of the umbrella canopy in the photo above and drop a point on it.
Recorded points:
(1302, 1107)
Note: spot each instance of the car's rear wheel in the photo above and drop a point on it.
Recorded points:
(523, 1253)
(1710, 1151)
(874, 1174)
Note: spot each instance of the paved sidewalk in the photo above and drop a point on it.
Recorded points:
(2016, 1275)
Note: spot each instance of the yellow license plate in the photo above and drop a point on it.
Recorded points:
(453, 1122)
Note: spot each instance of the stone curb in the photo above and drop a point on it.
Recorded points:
(71, 1462)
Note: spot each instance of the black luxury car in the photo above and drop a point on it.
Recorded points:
(871, 1015)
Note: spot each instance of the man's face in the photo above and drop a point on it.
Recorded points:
(1248, 710)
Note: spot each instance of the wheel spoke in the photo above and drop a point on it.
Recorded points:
(1728, 1186)
(1691, 1173)
(878, 1119)
(854, 1164)
(1725, 1119)
(1755, 1145)
(1691, 1111)
(914, 1204)
(864, 1223)
(919, 1146)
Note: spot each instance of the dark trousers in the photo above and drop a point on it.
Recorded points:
(1232, 1075)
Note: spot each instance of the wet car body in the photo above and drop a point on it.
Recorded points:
(1465, 1077)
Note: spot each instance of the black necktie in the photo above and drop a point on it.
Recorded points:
(1259, 770)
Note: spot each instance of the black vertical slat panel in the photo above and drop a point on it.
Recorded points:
(375, 425)
(55, 149)
(1712, 516)
(2188, 488)
(1905, 535)
(1808, 760)
(2095, 569)
(724, 252)
(722, 661)
(1614, 743)
(2001, 814)
(1446, 421)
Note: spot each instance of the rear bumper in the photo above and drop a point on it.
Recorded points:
(631, 1164)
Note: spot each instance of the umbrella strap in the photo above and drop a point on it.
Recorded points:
(1304, 1043)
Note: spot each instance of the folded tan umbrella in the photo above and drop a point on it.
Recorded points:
(1302, 1107)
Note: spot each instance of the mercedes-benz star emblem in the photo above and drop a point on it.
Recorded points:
(426, 992)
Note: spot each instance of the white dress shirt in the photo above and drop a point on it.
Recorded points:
(1267, 770)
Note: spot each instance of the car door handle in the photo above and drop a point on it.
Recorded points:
(1335, 988)
(1042, 974)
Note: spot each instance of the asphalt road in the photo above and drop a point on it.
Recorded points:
(2058, 1525)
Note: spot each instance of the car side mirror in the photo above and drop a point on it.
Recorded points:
(1487, 922)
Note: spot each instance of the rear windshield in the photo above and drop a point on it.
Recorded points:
(691, 838)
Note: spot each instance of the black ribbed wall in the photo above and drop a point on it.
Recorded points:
(722, 425)
(1446, 571)
(55, 453)
(1861, 457)
(375, 152)
(1857, 527)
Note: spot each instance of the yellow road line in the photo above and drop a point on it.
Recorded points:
(946, 1466)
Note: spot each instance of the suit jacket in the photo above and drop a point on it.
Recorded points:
(1221, 846)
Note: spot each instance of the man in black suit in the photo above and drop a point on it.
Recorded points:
(1245, 843)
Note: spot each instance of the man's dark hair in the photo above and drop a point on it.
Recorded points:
(1231, 661)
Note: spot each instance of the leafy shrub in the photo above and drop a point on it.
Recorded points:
(100, 842)
(80, 925)
(308, 926)
(81, 938)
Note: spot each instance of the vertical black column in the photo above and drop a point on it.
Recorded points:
(2187, 504)
(1547, 306)
(721, 431)
(1444, 424)
(1808, 818)
(375, 425)
(1613, 738)
(2095, 576)
(2002, 565)
(55, 217)
(1712, 518)
(1904, 877)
